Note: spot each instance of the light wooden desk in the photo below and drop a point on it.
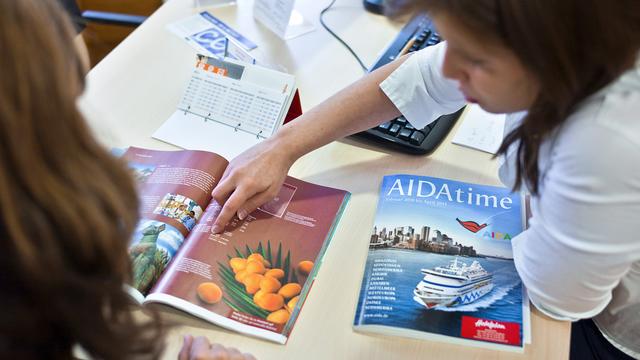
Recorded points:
(135, 89)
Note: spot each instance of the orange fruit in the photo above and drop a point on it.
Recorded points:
(270, 302)
(305, 267)
(240, 275)
(255, 267)
(237, 264)
(292, 303)
(209, 292)
(252, 283)
(256, 257)
(279, 316)
(290, 290)
(269, 284)
(258, 295)
(275, 273)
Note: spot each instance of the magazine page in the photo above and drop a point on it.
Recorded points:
(440, 264)
(254, 277)
(174, 189)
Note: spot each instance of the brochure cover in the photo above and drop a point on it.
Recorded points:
(440, 264)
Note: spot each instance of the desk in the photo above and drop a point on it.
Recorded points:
(135, 89)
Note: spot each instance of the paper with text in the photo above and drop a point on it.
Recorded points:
(481, 130)
(228, 107)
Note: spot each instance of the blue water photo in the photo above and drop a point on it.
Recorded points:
(399, 271)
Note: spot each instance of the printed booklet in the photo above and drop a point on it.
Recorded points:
(254, 277)
(440, 265)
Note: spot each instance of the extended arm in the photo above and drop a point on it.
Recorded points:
(412, 85)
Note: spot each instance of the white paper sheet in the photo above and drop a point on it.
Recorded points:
(192, 132)
(280, 17)
(480, 130)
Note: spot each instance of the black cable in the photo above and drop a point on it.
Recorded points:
(362, 65)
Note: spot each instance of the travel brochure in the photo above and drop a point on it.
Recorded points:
(252, 278)
(440, 264)
(210, 36)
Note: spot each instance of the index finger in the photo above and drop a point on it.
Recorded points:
(229, 209)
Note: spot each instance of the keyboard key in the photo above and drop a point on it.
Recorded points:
(384, 127)
(409, 126)
(405, 134)
(424, 35)
(401, 120)
(395, 128)
(416, 138)
(432, 41)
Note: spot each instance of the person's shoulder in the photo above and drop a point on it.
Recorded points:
(619, 114)
(615, 108)
(601, 140)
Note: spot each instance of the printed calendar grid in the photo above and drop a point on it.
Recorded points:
(244, 106)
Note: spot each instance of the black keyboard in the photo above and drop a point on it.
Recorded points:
(397, 133)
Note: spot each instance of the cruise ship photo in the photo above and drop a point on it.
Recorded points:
(453, 285)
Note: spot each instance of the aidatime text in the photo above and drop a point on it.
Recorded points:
(427, 189)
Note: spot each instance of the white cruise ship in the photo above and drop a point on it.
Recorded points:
(452, 285)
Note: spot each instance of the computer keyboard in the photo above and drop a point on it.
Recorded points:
(398, 133)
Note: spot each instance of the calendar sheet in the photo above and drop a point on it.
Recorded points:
(228, 107)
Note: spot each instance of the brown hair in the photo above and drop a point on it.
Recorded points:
(67, 208)
(573, 47)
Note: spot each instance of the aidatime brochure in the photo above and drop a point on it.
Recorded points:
(440, 265)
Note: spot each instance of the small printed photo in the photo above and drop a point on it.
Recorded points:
(153, 245)
(141, 172)
(181, 208)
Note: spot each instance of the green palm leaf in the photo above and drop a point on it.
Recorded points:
(269, 258)
(278, 263)
(259, 250)
(287, 263)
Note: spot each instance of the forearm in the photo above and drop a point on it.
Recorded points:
(358, 107)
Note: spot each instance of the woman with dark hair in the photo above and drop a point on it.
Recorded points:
(568, 73)
(66, 208)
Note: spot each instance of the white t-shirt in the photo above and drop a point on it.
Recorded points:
(580, 256)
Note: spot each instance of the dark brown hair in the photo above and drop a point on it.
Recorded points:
(573, 47)
(67, 208)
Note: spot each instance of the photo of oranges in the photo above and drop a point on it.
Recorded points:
(261, 284)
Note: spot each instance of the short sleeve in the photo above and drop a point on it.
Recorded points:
(419, 89)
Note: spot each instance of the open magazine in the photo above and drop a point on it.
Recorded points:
(440, 264)
(254, 277)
